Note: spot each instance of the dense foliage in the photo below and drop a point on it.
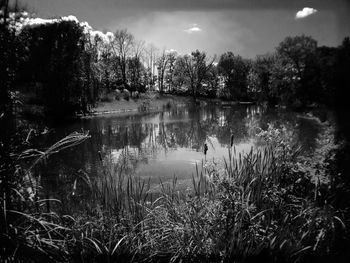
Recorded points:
(57, 58)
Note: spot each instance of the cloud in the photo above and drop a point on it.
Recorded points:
(104, 37)
(25, 20)
(169, 51)
(40, 21)
(307, 11)
(193, 29)
(70, 18)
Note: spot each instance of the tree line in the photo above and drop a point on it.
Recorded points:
(71, 68)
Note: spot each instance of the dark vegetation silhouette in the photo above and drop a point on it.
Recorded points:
(70, 69)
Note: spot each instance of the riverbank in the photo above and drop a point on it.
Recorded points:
(30, 107)
(151, 102)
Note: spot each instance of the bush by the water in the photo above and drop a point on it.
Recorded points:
(126, 94)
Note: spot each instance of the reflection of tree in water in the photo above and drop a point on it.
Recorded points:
(131, 135)
(191, 133)
(126, 144)
(233, 123)
(134, 140)
(200, 125)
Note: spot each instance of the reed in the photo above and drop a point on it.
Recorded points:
(253, 204)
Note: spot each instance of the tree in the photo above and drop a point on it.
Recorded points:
(11, 56)
(8, 63)
(135, 66)
(179, 78)
(235, 70)
(59, 59)
(327, 67)
(135, 74)
(299, 52)
(196, 67)
(284, 82)
(259, 78)
(151, 58)
(101, 63)
(122, 46)
(212, 82)
(164, 62)
(342, 66)
(170, 70)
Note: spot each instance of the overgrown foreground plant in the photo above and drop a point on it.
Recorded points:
(266, 204)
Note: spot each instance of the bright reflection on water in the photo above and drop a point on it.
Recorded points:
(161, 145)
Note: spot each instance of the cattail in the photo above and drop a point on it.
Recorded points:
(74, 188)
(205, 148)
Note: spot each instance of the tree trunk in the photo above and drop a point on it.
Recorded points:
(194, 92)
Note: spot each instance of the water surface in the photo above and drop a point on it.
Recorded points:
(157, 146)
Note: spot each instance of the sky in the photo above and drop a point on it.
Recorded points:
(245, 27)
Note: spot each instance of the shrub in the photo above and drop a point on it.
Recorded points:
(117, 94)
(135, 95)
(126, 94)
(106, 97)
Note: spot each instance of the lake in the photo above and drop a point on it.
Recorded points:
(157, 146)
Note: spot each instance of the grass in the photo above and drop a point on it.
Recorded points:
(263, 204)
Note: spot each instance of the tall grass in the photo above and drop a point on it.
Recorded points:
(27, 231)
(256, 204)
(120, 193)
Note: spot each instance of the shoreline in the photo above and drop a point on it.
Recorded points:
(123, 107)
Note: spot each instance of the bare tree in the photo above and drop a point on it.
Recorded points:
(151, 58)
(122, 46)
(136, 67)
(166, 59)
(171, 67)
(138, 48)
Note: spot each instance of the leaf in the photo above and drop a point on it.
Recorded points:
(117, 245)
